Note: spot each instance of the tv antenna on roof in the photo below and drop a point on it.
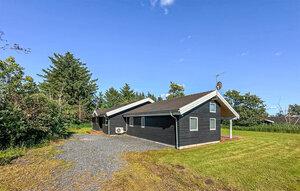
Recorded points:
(219, 83)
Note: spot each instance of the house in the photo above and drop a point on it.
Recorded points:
(290, 119)
(181, 122)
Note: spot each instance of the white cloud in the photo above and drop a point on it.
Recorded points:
(164, 96)
(165, 3)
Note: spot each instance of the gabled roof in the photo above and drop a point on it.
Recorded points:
(121, 108)
(181, 105)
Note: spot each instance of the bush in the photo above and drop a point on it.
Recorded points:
(38, 119)
(280, 128)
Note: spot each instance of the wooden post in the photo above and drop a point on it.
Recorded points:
(230, 129)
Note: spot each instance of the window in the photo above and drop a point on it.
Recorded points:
(212, 124)
(212, 107)
(142, 122)
(106, 122)
(131, 121)
(193, 123)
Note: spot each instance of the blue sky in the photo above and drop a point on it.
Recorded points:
(148, 43)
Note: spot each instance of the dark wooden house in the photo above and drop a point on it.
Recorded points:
(181, 122)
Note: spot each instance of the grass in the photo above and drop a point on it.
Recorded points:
(6, 156)
(279, 128)
(33, 170)
(257, 161)
(84, 128)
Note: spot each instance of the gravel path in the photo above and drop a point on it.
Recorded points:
(95, 158)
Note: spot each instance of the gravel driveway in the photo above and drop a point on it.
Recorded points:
(95, 158)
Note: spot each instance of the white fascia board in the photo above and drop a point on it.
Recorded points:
(237, 116)
(95, 113)
(205, 98)
(197, 102)
(115, 111)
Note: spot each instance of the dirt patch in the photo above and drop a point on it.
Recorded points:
(227, 138)
(209, 181)
(178, 167)
(94, 132)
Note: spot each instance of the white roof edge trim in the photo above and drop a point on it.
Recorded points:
(134, 104)
(205, 98)
(237, 116)
(95, 113)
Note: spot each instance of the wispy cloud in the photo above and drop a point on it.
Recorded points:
(164, 4)
(186, 38)
(245, 53)
(278, 53)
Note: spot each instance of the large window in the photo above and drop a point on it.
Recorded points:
(212, 107)
(131, 121)
(142, 122)
(212, 124)
(193, 123)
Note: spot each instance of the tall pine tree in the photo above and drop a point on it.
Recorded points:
(69, 81)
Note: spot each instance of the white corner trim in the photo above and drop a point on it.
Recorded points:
(196, 145)
(205, 98)
(129, 106)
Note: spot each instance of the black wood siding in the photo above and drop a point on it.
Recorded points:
(204, 134)
(157, 128)
(116, 121)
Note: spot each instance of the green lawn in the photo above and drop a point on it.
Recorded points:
(84, 128)
(258, 161)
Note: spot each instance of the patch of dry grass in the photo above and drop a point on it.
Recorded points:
(143, 172)
(32, 170)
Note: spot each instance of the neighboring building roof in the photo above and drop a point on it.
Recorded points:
(181, 105)
(118, 109)
(284, 119)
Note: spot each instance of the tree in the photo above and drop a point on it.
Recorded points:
(127, 94)
(69, 81)
(26, 117)
(152, 96)
(176, 90)
(294, 109)
(4, 45)
(251, 108)
(112, 98)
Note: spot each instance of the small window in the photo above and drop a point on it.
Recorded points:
(193, 123)
(212, 124)
(142, 122)
(131, 121)
(212, 107)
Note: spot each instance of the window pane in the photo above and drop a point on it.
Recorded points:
(213, 107)
(212, 124)
(193, 124)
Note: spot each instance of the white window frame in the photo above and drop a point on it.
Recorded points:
(210, 124)
(210, 107)
(130, 121)
(191, 123)
(142, 122)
